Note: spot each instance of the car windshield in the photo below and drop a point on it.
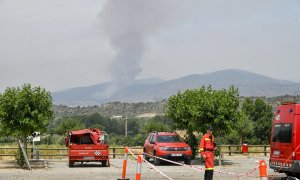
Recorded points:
(168, 138)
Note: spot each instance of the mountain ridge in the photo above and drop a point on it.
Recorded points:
(156, 89)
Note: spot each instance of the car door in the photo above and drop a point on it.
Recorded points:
(152, 141)
(147, 143)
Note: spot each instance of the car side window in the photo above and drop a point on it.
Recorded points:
(152, 138)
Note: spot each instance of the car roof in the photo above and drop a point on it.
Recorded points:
(165, 133)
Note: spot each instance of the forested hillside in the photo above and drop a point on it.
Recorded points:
(112, 109)
(135, 109)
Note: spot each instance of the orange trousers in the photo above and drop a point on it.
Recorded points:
(209, 160)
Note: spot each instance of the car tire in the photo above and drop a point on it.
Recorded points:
(187, 161)
(156, 160)
(145, 156)
(71, 164)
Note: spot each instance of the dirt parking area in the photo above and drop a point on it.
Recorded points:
(231, 168)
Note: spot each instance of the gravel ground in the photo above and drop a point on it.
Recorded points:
(58, 169)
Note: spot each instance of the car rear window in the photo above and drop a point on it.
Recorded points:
(168, 138)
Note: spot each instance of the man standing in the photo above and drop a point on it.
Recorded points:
(207, 147)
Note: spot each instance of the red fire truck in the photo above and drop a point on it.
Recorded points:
(87, 145)
(285, 140)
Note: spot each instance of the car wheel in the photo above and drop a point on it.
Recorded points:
(145, 156)
(187, 161)
(71, 164)
(156, 160)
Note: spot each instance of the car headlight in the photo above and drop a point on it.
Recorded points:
(187, 148)
(163, 148)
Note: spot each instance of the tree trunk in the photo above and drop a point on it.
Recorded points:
(24, 141)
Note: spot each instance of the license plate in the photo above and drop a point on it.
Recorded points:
(176, 154)
(88, 157)
(276, 153)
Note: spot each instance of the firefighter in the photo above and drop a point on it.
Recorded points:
(207, 147)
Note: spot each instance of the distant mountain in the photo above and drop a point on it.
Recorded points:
(155, 89)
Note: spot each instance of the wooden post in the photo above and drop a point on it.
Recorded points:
(114, 152)
(31, 150)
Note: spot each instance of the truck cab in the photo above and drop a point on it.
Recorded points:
(285, 140)
(87, 145)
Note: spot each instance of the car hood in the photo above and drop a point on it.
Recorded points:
(180, 144)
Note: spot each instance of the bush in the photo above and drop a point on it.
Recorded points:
(19, 157)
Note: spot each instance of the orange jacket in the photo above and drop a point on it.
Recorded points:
(206, 143)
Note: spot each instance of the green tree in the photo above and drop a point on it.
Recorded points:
(261, 115)
(25, 110)
(244, 128)
(196, 110)
(67, 124)
(155, 126)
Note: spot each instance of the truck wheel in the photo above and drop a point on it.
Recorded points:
(187, 161)
(71, 164)
(104, 162)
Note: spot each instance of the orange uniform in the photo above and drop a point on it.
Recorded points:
(207, 147)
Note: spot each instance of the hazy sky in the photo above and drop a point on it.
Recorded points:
(59, 44)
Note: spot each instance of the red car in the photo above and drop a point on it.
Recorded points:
(167, 145)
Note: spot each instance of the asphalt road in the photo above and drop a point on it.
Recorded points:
(232, 168)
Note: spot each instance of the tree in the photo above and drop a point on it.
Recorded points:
(196, 110)
(25, 110)
(261, 115)
(67, 124)
(155, 126)
(244, 127)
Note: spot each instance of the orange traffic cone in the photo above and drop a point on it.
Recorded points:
(138, 167)
(124, 164)
(263, 170)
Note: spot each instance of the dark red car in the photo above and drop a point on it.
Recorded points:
(167, 145)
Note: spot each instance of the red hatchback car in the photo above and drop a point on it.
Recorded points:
(167, 145)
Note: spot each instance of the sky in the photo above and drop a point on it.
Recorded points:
(60, 44)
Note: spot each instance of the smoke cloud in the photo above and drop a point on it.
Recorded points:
(128, 24)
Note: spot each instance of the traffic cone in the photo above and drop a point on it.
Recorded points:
(124, 164)
(138, 167)
(263, 170)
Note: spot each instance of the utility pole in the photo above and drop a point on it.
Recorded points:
(126, 126)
